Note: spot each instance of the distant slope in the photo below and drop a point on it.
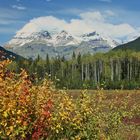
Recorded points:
(5, 54)
(133, 45)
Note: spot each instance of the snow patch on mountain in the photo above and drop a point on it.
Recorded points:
(94, 36)
(131, 37)
(59, 39)
(64, 39)
(61, 43)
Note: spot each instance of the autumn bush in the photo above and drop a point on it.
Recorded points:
(24, 109)
(40, 112)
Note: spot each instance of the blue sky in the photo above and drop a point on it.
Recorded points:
(14, 14)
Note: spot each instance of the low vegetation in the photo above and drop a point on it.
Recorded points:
(37, 112)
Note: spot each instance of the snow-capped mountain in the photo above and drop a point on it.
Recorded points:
(91, 36)
(30, 44)
(94, 36)
(131, 37)
(60, 39)
(23, 38)
(64, 39)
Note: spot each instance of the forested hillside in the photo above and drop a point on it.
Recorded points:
(5, 54)
(133, 45)
(113, 70)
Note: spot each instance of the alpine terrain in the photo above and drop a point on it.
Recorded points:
(58, 43)
(132, 45)
(4, 54)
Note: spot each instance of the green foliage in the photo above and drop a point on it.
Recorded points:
(133, 45)
(116, 70)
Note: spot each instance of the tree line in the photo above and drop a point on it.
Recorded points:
(113, 70)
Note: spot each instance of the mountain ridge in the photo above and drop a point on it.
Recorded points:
(132, 45)
(61, 43)
(5, 54)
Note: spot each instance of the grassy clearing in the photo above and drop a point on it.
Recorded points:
(108, 92)
(131, 125)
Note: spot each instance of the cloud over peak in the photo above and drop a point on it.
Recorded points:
(87, 22)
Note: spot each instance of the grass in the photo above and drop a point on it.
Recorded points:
(131, 128)
(135, 94)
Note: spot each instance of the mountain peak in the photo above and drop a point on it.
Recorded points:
(91, 34)
(64, 38)
(41, 35)
(5, 54)
(62, 43)
(132, 45)
(94, 37)
(64, 32)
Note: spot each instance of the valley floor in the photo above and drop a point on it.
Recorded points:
(110, 93)
(132, 97)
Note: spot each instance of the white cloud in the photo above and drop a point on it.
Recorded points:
(49, 23)
(92, 16)
(87, 22)
(18, 7)
(98, 22)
